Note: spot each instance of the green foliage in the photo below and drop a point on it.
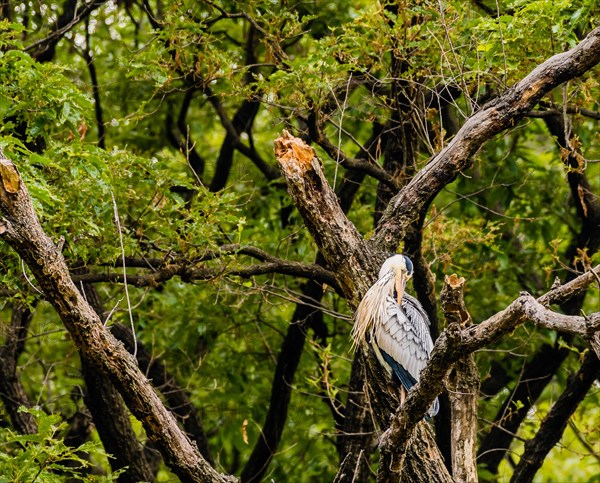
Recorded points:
(504, 225)
(43, 457)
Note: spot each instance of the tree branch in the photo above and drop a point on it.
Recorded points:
(455, 343)
(110, 415)
(337, 238)
(21, 229)
(177, 398)
(495, 117)
(190, 273)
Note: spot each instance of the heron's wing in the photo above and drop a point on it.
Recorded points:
(405, 339)
(402, 374)
(413, 309)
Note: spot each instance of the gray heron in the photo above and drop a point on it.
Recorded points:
(395, 325)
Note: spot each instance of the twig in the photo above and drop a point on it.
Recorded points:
(116, 213)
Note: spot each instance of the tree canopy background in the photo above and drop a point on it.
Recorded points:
(144, 133)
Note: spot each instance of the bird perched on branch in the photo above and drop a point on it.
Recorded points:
(395, 325)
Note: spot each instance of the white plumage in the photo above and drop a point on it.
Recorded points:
(396, 325)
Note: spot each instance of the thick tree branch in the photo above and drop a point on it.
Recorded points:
(111, 416)
(20, 228)
(497, 116)
(177, 398)
(455, 343)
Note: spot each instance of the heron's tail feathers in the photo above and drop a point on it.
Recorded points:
(434, 409)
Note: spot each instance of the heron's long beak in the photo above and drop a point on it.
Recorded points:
(400, 283)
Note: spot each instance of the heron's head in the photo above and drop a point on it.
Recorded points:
(402, 268)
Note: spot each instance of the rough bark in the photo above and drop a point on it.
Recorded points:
(111, 417)
(113, 424)
(495, 117)
(20, 228)
(555, 422)
(177, 398)
(337, 238)
(463, 389)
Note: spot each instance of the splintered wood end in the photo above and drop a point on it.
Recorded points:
(9, 175)
(293, 153)
(454, 281)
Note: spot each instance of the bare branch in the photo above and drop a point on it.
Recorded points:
(455, 343)
(558, 111)
(497, 116)
(191, 273)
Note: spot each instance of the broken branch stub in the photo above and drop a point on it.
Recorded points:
(342, 246)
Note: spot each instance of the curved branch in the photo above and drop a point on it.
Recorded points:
(497, 116)
(454, 343)
(190, 273)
